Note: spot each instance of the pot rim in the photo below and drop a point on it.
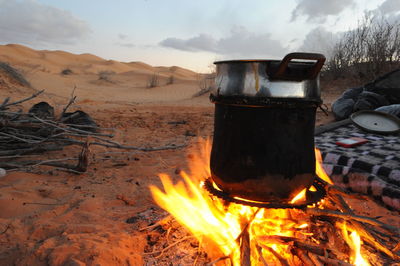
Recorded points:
(236, 61)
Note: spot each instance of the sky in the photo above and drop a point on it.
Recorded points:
(187, 33)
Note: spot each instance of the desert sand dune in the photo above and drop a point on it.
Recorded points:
(56, 61)
(98, 79)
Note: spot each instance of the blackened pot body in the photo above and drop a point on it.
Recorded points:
(264, 152)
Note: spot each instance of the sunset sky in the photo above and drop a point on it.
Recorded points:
(190, 34)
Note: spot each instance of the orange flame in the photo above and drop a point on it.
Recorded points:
(188, 204)
(319, 169)
(354, 242)
(209, 219)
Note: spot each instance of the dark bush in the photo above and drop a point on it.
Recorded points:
(367, 52)
(14, 74)
(105, 75)
(153, 81)
(171, 80)
(66, 71)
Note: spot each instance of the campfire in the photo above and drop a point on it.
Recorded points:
(259, 194)
(328, 232)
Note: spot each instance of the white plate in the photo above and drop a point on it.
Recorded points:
(376, 122)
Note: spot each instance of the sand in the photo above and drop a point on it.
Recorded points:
(58, 218)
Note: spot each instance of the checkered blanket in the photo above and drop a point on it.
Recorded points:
(372, 168)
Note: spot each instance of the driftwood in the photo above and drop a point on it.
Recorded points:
(23, 134)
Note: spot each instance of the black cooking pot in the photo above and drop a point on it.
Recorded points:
(263, 146)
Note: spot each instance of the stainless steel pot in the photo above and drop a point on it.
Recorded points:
(263, 144)
(271, 78)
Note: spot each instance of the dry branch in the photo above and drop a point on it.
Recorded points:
(305, 259)
(217, 260)
(5, 104)
(26, 133)
(5, 230)
(245, 252)
(363, 230)
(160, 252)
(352, 217)
(281, 259)
(71, 101)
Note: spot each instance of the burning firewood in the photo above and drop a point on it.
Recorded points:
(327, 233)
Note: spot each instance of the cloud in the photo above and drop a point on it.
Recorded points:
(319, 40)
(323, 41)
(239, 42)
(202, 42)
(389, 7)
(122, 36)
(127, 45)
(124, 41)
(28, 21)
(318, 11)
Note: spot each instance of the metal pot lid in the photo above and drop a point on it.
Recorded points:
(376, 122)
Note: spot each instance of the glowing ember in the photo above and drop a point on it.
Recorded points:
(299, 196)
(270, 233)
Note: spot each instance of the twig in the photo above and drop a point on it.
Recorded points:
(168, 247)
(286, 240)
(52, 162)
(127, 201)
(333, 262)
(41, 203)
(39, 148)
(5, 230)
(167, 147)
(70, 129)
(260, 255)
(282, 260)
(305, 259)
(71, 101)
(315, 259)
(83, 159)
(397, 247)
(167, 235)
(21, 101)
(92, 127)
(160, 222)
(349, 216)
(362, 230)
(6, 100)
(217, 260)
(245, 227)
(126, 147)
(198, 251)
(245, 255)
(17, 138)
(115, 144)
(68, 170)
(332, 189)
(17, 156)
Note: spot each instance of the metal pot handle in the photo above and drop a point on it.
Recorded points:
(312, 73)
